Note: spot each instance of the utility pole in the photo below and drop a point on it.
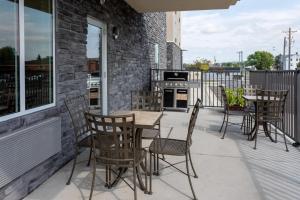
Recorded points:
(241, 59)
(283, 55)
(290, 33)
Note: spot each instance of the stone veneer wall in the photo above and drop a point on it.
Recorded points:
(130, 58)
(173, 56)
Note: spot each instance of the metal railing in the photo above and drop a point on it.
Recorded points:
(283, 80)
(205, 84)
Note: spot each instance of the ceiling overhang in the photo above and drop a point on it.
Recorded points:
(179, 5)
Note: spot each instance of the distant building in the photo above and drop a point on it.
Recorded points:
(295, 59)
(174, 52)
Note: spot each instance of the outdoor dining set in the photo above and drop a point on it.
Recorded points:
(262, 108)
(115, 141)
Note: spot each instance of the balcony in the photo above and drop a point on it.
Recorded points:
(227, 169)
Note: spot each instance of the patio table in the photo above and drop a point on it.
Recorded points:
(254, 99)
(143, 120)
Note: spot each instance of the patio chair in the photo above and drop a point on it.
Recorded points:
(227, 113)
(123, 150)
(270, 109)
(249, 106)
(147, 101)
(77, 106)
(175, 147)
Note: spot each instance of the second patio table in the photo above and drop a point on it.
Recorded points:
(254, 99)
(143, 120)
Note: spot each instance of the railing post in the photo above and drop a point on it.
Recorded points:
(201, 82)
(296, 122)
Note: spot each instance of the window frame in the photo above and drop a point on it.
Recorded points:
(21, 43)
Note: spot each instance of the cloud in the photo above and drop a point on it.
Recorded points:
(222, 33)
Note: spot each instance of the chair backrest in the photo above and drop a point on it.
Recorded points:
(251, 90)
(146, 100)
(192, 122)
(270, 104)
(77, 106)
(224, 97)
(119, 130)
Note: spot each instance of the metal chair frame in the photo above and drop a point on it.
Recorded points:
(166, 146)
(148, 101)
(76, 107)
(115, 144)
(227, 113)
(248, 109)
(270, 108)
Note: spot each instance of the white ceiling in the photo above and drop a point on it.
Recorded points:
(178, 5)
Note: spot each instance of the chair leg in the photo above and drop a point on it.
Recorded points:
(109, 177)
(243, 122)
(195, 174)
(134, 181)
(223, 122)
(90, 156)
(159, 136)
(150, 190)
(146, 179)
(286, 147)
(154, 164)
(276, 134)
(189, 177)
(94, 176)
(256, 133)
(73, 167)
(106, 176)
(225, 126)
(157, 164)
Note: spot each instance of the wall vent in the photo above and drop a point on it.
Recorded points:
(24, 149)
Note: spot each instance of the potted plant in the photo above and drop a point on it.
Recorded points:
(235, 98)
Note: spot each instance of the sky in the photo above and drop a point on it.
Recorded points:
(38, 30)
(248, 26)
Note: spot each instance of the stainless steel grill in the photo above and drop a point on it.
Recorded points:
(175, 87)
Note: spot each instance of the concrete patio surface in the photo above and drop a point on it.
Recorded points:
(228, 169)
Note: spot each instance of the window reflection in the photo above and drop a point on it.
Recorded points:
(38, 52)
(93, 63)
(9, 58)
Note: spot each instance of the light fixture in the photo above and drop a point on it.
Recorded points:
(115, 32)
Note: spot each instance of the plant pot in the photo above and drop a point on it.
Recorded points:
(236, 108)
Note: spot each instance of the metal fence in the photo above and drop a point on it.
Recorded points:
(205, 85)
(283, 80)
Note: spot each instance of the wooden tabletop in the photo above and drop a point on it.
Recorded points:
(143, 119)
(254, 98)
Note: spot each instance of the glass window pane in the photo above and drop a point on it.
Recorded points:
(93, 55)
(38, 25)
(9, 57)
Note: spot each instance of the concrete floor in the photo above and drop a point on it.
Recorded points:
(228, 169)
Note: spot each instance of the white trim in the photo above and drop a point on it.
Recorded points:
(104, 86)
(27, 112)
(53, 53)
(21, 44)
(22, 56)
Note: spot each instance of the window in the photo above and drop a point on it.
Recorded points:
(156, 54)
(26, 56)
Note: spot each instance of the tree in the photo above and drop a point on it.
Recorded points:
(278, 62)
(262, 60)
(201, 64)
(7, 55)
(298, 65)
